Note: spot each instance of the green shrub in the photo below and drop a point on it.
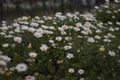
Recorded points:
(70, 47)
(108, 13)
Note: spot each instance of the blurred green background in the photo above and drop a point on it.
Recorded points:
(11, 9)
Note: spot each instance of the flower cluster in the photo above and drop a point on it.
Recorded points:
(64, 47)
(109, 12)
(4, 60)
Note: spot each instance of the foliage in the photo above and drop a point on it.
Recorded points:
(108, 13)
(70, 47)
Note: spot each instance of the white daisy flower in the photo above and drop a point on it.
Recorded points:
(63, 32)
(108, 11)
(11, 32)
(5, 58)
(97, 37)
(21, 67)
(2, 33)
(78, 51)
(81, 71)
(58, 14)
(111, 29)
(118, 47)
(38, 35)
(37, 17)
(84, 32)
(5, 45)
(24, 27)
(41, 21)
(3, 63)
(51, 41)
(115, 11)
(31, 29)
(60, 29)
(118, 23)
(34, 24)
(18, 39)
(113, 17)
(16, 24)
(12, 68)
(116, 1)
(77, 29)
(70, 27)
(54, 45)
(96, 7)
(110, 23)
(69, 56)
(98, 31)
(49, 18)
(44, 47)
(44, 26)
(33, 54)
(111, 53)
(8, 36)
(29, 77)
(17, 30)
(24, 18)
(69, 15)
(65, 27)
(67, 47)
(78, 24)
(52, 27)
(58, 38)
(102, 48)
(29, 46)
(107, 40)
(68, 38)
(91, 40)
(40, 30)
(107, 1)
(71, 70)
(117, 28)
(82, 78)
